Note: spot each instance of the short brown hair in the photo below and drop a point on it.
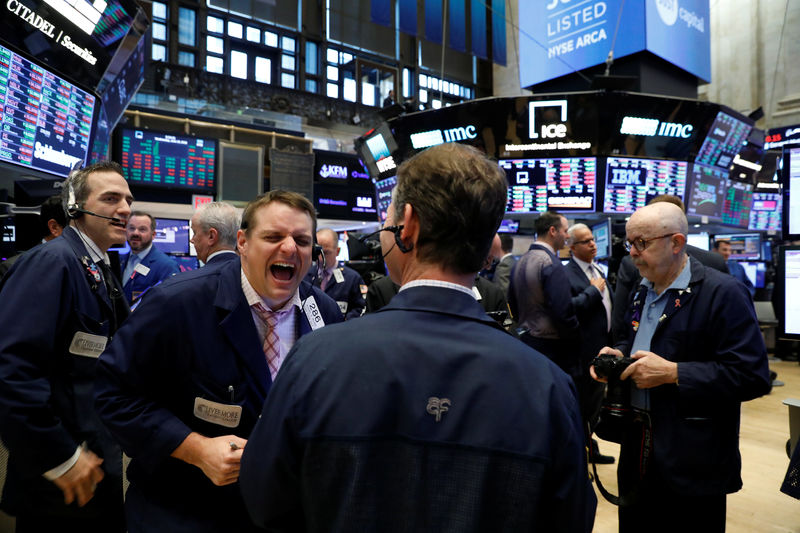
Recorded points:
(290, 198)
(144, 214)
(78, 184)
(459, 196)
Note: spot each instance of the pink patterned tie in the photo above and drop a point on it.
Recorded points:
(271, 341)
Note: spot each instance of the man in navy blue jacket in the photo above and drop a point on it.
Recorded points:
(146, 265)
(698, 354)
(184, 380)
(426, 415)
(343, 284)
(60, 306)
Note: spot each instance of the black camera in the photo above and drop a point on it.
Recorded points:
(616, 412)
(610, 367)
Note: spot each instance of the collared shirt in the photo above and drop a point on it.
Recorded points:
(437, 283)
(131, 264)
(653, 308)
(287, 322)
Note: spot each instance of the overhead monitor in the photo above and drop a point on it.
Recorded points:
(383, 193)
(567, 185)
(790, 178)
(46, 121)
(172, 236)
(602, 238)
(765, 212)
(631, 183)
(699, 240)
(725, 138)
(166, 160)
(339, 168)
(789, 303)
(346, 203)
(746, 246)
(376, 148)
(706, 192)
(79, 39)
(756, 272)
(737, 203)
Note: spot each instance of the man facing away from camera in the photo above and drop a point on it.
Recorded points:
(435, 419)
(699, 354)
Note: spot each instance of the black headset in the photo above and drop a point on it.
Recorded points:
(397, 230)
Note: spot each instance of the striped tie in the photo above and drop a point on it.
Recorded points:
(271, 342)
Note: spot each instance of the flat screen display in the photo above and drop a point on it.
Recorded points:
(172, 236)
(765, 213)
(376, 148)
(746, 246)
(339, 168)
(344, 203)
(699, 240)
(724, 140)
(756, 272)
(383, 193)
(631, 183)
(706, 192)
(790, 271)
(156, 159)
(737, 203)
(602, 238)
(185, 262)
(508, 226)
(118, 94)
(556, 184)
(46, 121)
(790, 177)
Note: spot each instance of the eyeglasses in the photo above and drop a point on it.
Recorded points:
(584, 241)
(642, 244)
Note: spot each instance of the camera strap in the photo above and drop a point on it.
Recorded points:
(641, 431)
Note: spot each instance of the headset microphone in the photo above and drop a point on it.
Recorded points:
(397, 240)
(84, 211)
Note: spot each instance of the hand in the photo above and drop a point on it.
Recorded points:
(650, 370)
(605, 350)
(81, 480)
(214, 456)
(599, 283)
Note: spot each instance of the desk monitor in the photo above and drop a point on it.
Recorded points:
(45, 121)
(172, 236)
(602, 238)
(756, 272)
(566, 185)
(186, 262)
(765, 212)
(737, 203)
(790, 178)
(706, 192)
(631, 183)
(746, 246)
(699, 240)
(165, 160)
(788, 302)
(508, 226)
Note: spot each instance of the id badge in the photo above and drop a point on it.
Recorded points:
(221, 414)
(87, 345)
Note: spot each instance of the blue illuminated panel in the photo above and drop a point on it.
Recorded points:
(631, 183)
(46, 121)
(383, 191)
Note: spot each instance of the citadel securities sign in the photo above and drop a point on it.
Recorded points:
(559, 37)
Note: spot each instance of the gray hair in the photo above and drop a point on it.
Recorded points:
(224, 218)
(575, 227)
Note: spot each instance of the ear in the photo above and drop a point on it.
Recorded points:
(410, 222)
(678, 242)
(241, 242)
(213, 236)
(54, 227)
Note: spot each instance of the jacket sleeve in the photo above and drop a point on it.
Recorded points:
(38, 299)
(555, 285)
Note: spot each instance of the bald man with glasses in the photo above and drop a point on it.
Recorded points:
(698, 354)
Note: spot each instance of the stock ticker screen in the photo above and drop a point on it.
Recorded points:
(706, 192)
(726, 138)
(631, 183)
(766, 211)
(736, 204)
(383, 192)
(165, 160)
(561, 184)
(46, 121)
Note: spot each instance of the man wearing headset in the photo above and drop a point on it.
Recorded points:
(184, 380)
(61, 305)
(436, 419)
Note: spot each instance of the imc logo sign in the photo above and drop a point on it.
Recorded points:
(547, 119)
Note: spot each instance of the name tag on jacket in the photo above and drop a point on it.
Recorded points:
(87, 345)
(218, 413)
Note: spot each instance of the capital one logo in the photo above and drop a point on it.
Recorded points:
(668, 11)
(552, 130)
